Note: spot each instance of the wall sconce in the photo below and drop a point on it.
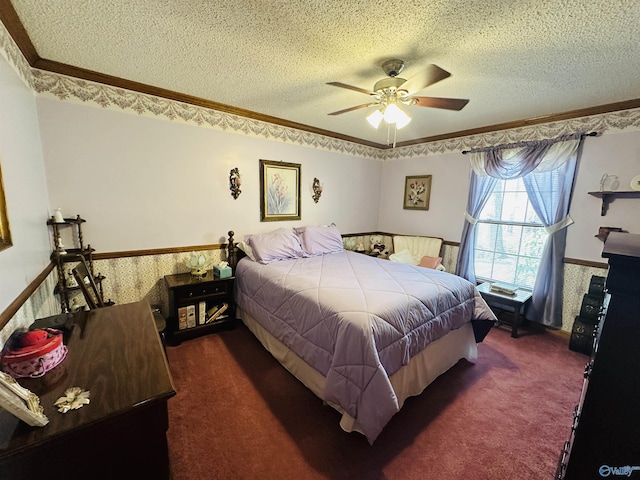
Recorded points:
(317, 189)
(234, 182)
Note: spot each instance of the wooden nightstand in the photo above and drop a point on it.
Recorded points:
(501, 301)
(192, 302)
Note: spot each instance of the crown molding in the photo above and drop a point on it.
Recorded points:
(67, 83)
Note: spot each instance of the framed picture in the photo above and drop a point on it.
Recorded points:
(417, 190)
(279, 191)
(21, 402)
(5, 233)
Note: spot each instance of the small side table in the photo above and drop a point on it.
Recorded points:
(199, 294)
(517, 301)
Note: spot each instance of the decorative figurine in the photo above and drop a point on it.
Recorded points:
(57, 216)
(60, 247)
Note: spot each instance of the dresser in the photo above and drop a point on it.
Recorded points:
(115, 353)
(603, 440)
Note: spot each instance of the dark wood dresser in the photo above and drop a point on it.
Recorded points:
(116, 354)
(604, 436)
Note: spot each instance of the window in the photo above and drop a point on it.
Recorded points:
(509, 236)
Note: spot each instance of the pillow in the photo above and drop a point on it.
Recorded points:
(320, 240)
(430, 262)
(278, 244)
(404, 256)
(244, 246)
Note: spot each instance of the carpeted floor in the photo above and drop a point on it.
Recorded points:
(239, 415)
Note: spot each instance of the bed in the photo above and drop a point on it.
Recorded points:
(361, 333)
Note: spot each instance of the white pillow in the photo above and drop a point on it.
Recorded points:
(404, 256)
(244, 246)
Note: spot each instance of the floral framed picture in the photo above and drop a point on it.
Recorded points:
(279, 191)
(417, 190)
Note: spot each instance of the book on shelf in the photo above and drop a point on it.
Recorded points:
(191, 316)
(212, 310)
(182, 318)
(215, 312)
(202, 313)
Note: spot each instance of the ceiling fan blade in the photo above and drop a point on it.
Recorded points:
(351, 87)
(357, 107)
(432, 74)
(445, 103)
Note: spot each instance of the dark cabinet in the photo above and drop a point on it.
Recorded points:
(603, 441)
(198, 305)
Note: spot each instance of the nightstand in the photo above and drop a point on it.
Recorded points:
(500, 301)
(198, 305)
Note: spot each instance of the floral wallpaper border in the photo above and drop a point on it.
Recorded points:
(72, 89)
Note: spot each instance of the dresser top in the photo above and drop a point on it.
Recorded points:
(622, 244)
(115, 353)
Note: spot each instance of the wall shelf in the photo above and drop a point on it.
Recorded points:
(608, 196)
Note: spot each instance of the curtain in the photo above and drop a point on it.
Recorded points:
(548, 168)
(480, 186)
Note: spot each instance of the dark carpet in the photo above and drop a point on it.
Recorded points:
(238, 414)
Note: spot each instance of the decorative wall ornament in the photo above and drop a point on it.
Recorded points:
(234, 182)
(317, 189)
(279, 191)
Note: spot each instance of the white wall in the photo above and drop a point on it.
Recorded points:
(142, 182)
(25, 187)
(617, 153)
(449, 187)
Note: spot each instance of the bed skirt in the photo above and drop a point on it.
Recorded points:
(410, 380)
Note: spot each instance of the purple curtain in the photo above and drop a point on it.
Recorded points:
(549, 192)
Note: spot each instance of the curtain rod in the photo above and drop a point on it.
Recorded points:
(523, 144)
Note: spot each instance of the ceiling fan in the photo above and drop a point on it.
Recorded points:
(389, 94)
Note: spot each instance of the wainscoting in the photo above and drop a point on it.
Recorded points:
(135, 277)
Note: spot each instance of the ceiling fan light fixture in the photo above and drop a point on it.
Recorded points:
(402, 120)
(375, 118)
(393, 114)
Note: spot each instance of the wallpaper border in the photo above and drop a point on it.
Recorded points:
(66, 88)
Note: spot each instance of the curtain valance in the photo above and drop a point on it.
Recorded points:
(516, 160)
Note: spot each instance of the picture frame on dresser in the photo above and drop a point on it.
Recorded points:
(417, 191)
(21, 402)
(280, 191)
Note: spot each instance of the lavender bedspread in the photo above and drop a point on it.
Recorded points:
(357, 320)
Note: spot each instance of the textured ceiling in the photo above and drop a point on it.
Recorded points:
(514, 59)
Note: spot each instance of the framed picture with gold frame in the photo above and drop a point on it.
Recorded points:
(21, 402)
(417, 190)
(5, 232)
(279, 191)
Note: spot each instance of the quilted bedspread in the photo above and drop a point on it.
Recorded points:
(357, 320)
